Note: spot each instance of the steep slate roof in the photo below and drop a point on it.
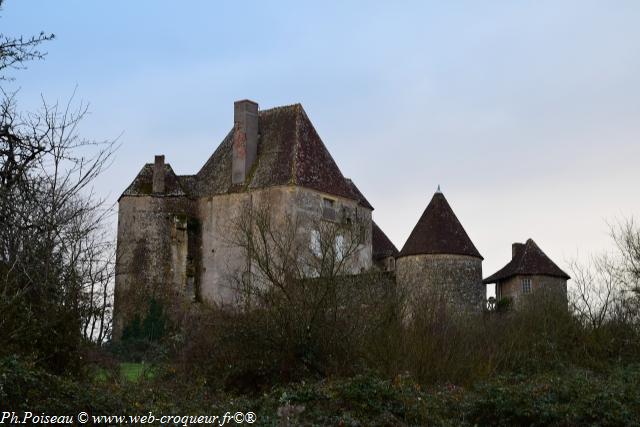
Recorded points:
(188, 183)
(382, 246)
(290, 151)
(438, 231)
(528, 260)
(142, 185)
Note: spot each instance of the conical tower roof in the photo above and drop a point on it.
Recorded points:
(438, 231)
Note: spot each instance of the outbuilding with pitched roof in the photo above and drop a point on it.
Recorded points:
(530, 270)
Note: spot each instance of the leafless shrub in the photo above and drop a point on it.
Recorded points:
(607, 287)
(16, 51)
(55, 257)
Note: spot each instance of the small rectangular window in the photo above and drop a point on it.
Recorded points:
(328, 203)
(339, 247)
(328, 209)
(526, 286)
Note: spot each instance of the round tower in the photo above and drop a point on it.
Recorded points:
(440, 261)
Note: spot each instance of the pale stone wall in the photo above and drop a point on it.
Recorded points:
(456, 277)
(512, 287)
(219, 257)
(223, 263)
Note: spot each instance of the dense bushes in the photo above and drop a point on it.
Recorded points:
(534, 366)
(565, 396)
(438, 344)
(342, 328)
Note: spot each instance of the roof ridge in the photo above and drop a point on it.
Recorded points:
(281, 107)
(296, 147)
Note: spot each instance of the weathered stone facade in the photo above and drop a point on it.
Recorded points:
(222, 261)
(518, 286)
(183, 247)
(153, 251)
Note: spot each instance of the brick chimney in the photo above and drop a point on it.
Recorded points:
(516, 248)
(158, 175)
(245, 139)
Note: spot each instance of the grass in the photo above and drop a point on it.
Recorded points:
(134, 371)
(129, 371)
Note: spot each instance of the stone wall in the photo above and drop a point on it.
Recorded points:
(152, 253)
(457, 278)
(223, 263)
(183, 248)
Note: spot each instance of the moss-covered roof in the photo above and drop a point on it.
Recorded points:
(290, 152)
(142, 185)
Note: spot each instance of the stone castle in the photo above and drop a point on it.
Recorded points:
(173, 229)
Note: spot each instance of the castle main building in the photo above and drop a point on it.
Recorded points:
(173, 230)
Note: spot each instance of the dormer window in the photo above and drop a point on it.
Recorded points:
(526, 285)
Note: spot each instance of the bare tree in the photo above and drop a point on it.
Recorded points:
(15, 51)
(595, 290)
(626, 236)
(608, 285)
(54, 256)
(285, 249)
(298, 286)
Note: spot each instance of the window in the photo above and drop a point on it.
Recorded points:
(347, 215)
(315, 245)
(328, 209)
(328, 203)
(391, 264)
(526, 286)
(339, 247)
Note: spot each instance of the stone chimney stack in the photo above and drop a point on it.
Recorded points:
(245, 139)
(516, 249)
(158, 175)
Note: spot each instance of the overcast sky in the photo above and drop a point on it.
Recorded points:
(526, 113)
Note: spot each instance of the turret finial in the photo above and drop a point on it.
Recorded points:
(438, 190)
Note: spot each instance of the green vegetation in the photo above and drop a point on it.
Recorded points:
(136, 371)
(567, 396)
